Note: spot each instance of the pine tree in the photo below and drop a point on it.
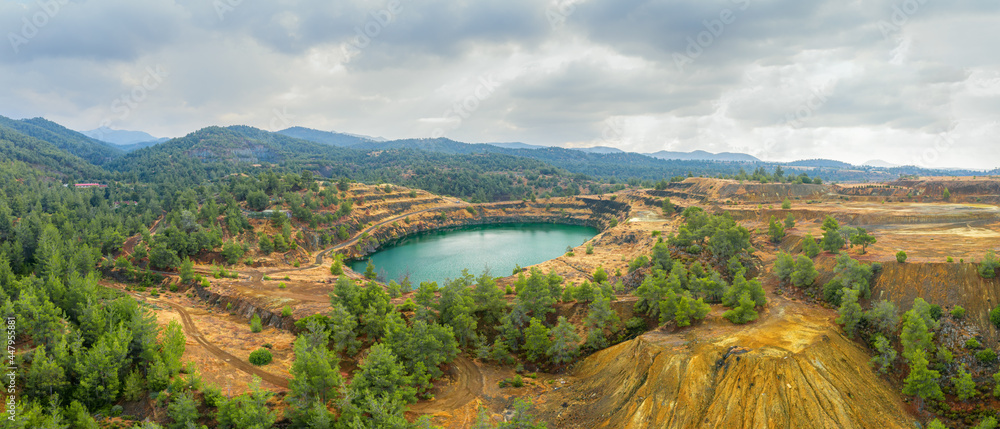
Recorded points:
(533, 294)
(585, 293)
(99, 368)
(785, 205)
(600, 316)
(342, 329)
(915, 336)
(965, 388)
(45, 376)
(370, 271)
(850, 311)
(565, 342)
(688, 308)
(922, 382)
(810, 247)
(832, 240)
(173, 345)
(864, 239)
(886, 354)
(536, 340)
(382, 376)
(600, 276)
(186, 271)
(315, 371)
(805, 272)
(775, 230)
(789, 221)
(744, 312)
(489, 300)
(883, 316)
(784, 266)
(247, 411)
(183, 410)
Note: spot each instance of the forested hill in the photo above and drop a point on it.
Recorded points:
(16, 146)
(93, 151)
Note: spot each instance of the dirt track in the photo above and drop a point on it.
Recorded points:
(467, 385)
(192, 332)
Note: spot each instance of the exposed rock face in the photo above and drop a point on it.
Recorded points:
(943, 284)
(790, 371)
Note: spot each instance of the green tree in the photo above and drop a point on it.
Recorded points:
(832, 240)
(600, 276)
(810, 247)
(786, 204)
(183, 410)
(901, 256)
(965, 388)
(850, 311)
(922, 382)
(255, 324)
(752, 288)
(99, 368)
(988, 267)
(45, 376)
(995, 316)
(533, 294)
(915, 336)
(585, 293)
(536, 340)
(162, 257)
(668, 207)
(784, 266)
(315, 370)
(173, 344)
(864, 239)
(775, 230)
(565, 342)
(247, 411)
(381, 376)
(600, 316)
(946, 194)
(186, 271)
(370, 271)
(337, 268)
(805, 273)
(886, 354)
(232, 252)
(883, 316)
(687, 308)
(743, 312)
(342, 329)
(789, 221)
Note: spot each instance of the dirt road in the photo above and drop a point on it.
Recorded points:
(192, 332)
(467, 385)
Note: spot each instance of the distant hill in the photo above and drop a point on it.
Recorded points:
(700, 155)
(823, 163)
(325, 137)
(598, 149)
(17, 146)
(123, 137)
(93, 151)
(516, 145)
(880, 163)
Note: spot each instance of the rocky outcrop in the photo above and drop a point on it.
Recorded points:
(244, 307)
(792, 371)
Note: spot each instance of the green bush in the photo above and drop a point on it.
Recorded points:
(958, 312)
(995, 316)
(515, 381)
(972, 343)
(282, 285)
(261, 356)
(255, 324)
(286, 311)
(986, 356)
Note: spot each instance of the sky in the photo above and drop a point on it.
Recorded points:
(913, 82)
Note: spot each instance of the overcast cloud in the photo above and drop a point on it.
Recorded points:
(909, 82)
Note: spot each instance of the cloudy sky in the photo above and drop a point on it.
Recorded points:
(910, 82)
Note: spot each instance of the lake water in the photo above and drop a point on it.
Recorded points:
(440, 255)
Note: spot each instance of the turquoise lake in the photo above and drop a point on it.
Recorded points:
(440, 255)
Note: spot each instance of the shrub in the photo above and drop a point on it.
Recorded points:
(950, 260)
(282, 285)
(515, 381)
(972, 343)
(116, 411)
(958, 312)
(986, 356)
(212, 396)
(995, 316)
(261, 357)
(229, 306)
(286, 311)
(590, 249)
(255, 324)
(901, 256)
(935, 311)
